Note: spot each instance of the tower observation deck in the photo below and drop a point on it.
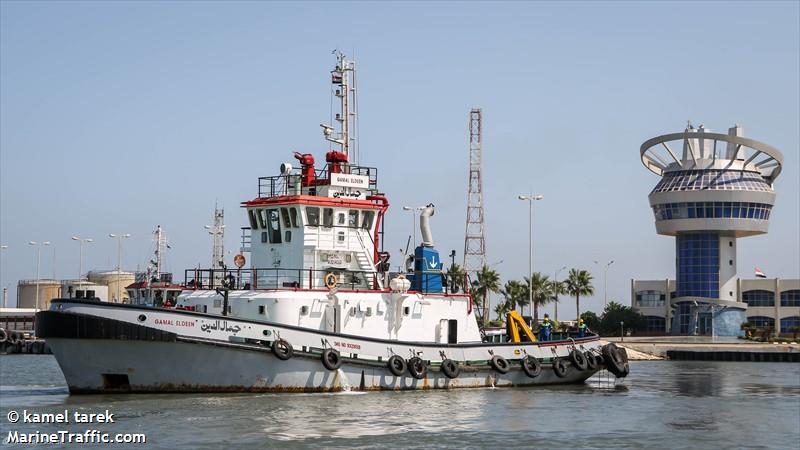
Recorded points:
(717, 188)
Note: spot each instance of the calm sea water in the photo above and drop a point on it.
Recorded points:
(660, 405)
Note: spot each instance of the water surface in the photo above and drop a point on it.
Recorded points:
(662, 404)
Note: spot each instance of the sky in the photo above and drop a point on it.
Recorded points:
(116, 117)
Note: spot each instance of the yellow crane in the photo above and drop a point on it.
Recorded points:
(515, 323)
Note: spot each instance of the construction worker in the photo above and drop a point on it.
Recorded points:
(545, 329)
(581, 329)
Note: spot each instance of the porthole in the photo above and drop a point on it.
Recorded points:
(406, 310)
(142, 317)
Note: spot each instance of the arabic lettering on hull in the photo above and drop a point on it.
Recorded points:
(220, 325)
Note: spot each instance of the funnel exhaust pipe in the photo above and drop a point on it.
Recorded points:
(425, 225)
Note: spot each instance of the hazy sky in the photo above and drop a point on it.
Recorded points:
(116, 117)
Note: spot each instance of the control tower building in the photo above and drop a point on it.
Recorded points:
(714, 189)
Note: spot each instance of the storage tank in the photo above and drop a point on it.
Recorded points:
(116, 281)
(26, 293)
(84, 289)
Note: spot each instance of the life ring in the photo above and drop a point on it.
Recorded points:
(560, 367)
(396, 365)
(282, 349)
(613, 359)
(531, 366)
(417, 368)
(499, 364)
(331, 359)
(578, 359)
(3, 335)
(591, 362)
(450, 368)
(330, 280)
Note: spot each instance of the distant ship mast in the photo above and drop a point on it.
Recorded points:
(156, 265)
(217, 232)
(343, 77)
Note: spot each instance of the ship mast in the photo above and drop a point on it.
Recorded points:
(343, 77)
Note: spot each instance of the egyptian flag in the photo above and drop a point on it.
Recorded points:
(759, 273)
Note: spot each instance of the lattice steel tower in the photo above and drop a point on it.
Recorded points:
(474, 241)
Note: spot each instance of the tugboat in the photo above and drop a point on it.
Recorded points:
(317, 309)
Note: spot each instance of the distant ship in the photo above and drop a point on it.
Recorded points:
(317, 310)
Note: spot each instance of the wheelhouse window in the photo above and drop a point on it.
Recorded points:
(340, 219)
(352, 218)
(327, 217)
(251, 214)
(262, 218)
(293, 216)
(366, 219)
(312, 216)
(285, 217)
(274, 226)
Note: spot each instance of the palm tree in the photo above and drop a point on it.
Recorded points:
(515, 295)
(488, 281)
(501, 309)
(542, 292)
(455, 276)
(579, 282)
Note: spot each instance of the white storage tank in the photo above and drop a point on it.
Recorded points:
(116, 281)
(26, 293)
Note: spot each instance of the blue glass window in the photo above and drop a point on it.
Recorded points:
(761, 321)
(712, 210)
(787, 323)
(790, 298)
(697, 268)
(759, 297)
(712, 179)
(655, 324)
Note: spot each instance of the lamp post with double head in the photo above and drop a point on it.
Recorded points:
(413, 210)
(605, 281)
(530, 199)
(555, 287)
(119, 238)
(38, 246)
(81, 241)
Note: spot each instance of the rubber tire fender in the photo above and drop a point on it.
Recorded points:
(578, 359)
(397, 365)
(613, 359)
(499, 364)
(417, 368)
(14, 337)
(282, 349)
(531, 366)
(591, 362)
(450, 368)
(3, 335)
(331, 359)
(626, 369)
(560, 367)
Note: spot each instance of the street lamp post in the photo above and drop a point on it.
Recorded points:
(3, 286)
(555, 281)
(38, 246)
(81, 241)
(530, 199)
(414, 210)
(605, 281)
(119, 238)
